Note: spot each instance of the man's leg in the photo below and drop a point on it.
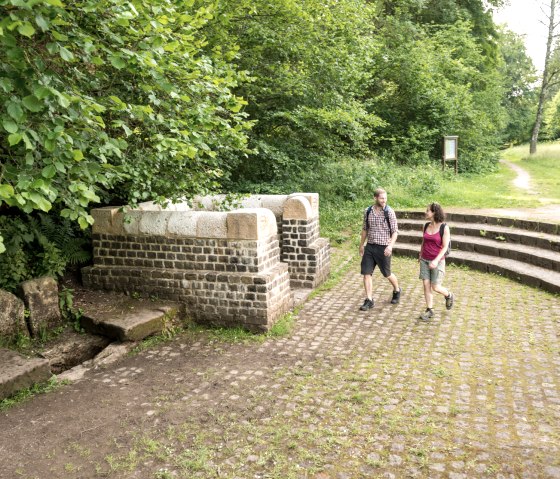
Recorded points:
(368, 286)
(394, 281)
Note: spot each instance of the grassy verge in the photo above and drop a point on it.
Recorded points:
(25, 394)
(542, 166)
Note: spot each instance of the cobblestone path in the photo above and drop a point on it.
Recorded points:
(473, 393)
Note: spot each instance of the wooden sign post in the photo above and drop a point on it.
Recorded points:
(450, 148)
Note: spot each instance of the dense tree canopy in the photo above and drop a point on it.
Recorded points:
(120, 101)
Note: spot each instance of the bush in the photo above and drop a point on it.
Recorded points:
(37, 246)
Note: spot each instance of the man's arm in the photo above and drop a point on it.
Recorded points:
(362, 241)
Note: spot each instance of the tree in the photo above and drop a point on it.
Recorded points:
(520, 95)
(112, 101)
(308, 61)
(550, 75)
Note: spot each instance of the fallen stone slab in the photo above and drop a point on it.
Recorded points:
(18, 372)
(130, 322)
(72, 348)
(111, 354)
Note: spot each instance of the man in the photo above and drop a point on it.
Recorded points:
(380, 229)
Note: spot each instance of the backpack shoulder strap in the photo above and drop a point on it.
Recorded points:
(366, 217)
(386, 213)
(426, 226)
(442, 230)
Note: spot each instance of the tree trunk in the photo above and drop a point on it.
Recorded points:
(545, 80)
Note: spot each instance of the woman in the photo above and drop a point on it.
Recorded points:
(432, 258)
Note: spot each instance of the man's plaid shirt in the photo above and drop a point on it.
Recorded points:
(378, 232)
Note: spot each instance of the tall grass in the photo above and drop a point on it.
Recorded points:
(350, 188)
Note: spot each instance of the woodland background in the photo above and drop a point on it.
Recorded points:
(106, 102)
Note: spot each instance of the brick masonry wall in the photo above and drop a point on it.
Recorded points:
(307, 255)
(223, 282)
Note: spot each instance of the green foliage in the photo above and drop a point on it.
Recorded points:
(432, 81)
(308, 61)
(69, 313)
(37, 246)
(110, 100)
(520, 98)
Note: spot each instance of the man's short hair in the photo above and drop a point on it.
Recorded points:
(378, 192)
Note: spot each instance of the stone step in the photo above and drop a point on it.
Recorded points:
(501, 234)
(522, 224)
(129, 321)
(18, 372)
(525, 273)
(526, 254)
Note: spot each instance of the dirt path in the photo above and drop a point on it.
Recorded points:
(473, 393)
(523, 179)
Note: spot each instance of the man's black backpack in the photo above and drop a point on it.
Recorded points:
(441, 231)
(386, 210)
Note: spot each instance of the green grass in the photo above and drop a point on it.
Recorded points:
(414, 188)
(25, 394)
(542, 166)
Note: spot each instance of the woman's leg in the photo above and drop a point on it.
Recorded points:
(438, 288)
(428, 293)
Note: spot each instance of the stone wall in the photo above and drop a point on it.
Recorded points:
(227, 267)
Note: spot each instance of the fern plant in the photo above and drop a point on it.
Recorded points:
(39, 245)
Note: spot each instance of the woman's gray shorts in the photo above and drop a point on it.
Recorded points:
(434, 275)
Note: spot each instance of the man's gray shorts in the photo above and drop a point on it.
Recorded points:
(434, 275)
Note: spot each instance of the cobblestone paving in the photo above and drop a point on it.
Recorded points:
(473, 393)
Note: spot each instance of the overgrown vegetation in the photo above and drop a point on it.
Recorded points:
(117, 102)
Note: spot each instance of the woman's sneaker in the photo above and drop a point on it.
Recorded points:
(449, 300)
(368, 304)
(426, 315)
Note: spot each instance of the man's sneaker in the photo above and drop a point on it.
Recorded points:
(396, 296)
(426, 315)
(449, 300)
(368, 304)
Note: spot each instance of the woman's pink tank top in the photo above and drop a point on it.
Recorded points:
(432, 245)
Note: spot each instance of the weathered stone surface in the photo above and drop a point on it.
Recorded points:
(18, 372)
(128, 325)
(72, 349)
(12, 319)
(154, 222)
(183, 223)
(40, 297)
(297, 208)
(212, 225)
(257, 223)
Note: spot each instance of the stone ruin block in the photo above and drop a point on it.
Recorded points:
(229, 267)
(40, 297)
(232, 278)
(12, 316)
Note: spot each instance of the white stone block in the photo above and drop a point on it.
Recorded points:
(154, 222)
(313, 199)
(274, 203)
(251, 202)
(208, 203)
(297, 208)
(102, 218)
(183, 223)
(131, 221)
(212, 224)
(251, 223)
(149, 206)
